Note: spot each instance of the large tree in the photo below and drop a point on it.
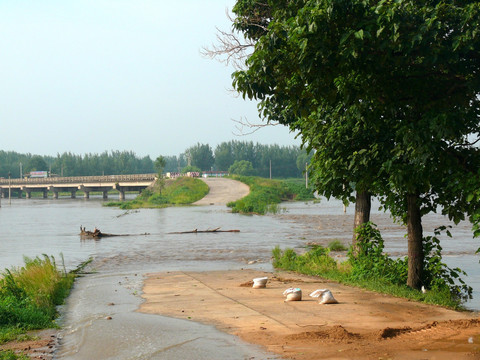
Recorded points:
(200, 156)
(36, 163)
(386, 93)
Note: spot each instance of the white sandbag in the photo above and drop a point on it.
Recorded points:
(260, 282)
(293, 294)
(324, 296)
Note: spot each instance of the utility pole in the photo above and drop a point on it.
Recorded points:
(270, 169)
(9, 189)
(21, 173)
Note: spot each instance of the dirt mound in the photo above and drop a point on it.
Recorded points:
(335, 333)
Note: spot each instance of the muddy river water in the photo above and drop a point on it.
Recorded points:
(100, 321)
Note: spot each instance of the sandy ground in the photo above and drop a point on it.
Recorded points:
(363, 325)
(222, 191)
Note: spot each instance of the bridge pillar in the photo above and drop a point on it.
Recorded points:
(73, 194)
(55, 194)
(121, 194)
(45, 194)
(86, 194)
(20, 193)
(105, 194)
(28, 194)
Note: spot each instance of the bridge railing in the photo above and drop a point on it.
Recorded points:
(80, 179)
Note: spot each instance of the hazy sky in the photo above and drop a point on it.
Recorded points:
(87, 76)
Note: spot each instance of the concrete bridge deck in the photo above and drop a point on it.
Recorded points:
(87, 184)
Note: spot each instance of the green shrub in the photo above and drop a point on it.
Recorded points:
(241, 167)
(370, 260)
(437, 276)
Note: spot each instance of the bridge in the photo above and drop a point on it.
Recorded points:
(86, 184)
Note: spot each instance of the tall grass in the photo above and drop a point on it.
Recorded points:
(30, 294)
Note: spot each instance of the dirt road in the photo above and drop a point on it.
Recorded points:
(222, 191)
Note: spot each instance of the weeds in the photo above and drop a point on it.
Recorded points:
(29, 296)
(336, 245)
(372, 269)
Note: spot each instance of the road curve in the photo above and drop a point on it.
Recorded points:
(222, 191)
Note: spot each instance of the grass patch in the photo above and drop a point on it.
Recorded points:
(181, 191)
(29, 296)
(11, 355)
(336, 245)
(297, 187)
(266, 194)
(374, 270)
(263, 194)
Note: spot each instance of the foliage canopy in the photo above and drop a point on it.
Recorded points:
(384, 92)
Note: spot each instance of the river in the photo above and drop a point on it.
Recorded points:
(47, 226)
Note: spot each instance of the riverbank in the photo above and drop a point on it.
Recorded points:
(363, 325)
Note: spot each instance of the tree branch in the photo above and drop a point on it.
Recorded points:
(241, 124)
(230, 48)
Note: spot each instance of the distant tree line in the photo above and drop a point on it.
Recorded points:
(68, 164)
(242, 157)
(284, 161)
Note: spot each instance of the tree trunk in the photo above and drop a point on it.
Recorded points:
(363, 204)
(415, 242)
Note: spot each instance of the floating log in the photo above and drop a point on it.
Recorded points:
(196, 231)
(96, 233)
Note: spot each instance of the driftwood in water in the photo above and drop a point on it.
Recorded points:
(196, 231)
(96, 233)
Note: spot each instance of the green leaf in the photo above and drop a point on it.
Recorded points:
(359, 34)
(380, 30)
(345, 37)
